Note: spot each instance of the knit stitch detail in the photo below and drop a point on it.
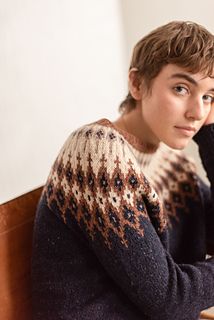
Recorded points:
(109, 199)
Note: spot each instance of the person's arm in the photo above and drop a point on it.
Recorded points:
(116, 211)
(205, 141)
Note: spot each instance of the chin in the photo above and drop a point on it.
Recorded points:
(179, 145)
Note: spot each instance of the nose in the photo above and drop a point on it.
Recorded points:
(196, 110)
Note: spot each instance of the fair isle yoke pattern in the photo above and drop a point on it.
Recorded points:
(122, 228)
(176, 181)
(108, 199)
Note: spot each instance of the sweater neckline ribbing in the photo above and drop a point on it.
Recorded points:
(133, 140)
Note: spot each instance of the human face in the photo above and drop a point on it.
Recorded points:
(177, 106)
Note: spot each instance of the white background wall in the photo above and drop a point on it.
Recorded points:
(61, 66)
(141, 16)
(63, 63)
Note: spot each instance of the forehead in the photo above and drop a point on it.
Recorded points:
(173, 72)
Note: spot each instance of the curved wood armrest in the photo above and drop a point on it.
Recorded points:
(206, 315)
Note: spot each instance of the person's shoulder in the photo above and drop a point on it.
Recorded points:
(98, 131)
(176, 180)
(178, 159)
(179, 172)
(94, 139)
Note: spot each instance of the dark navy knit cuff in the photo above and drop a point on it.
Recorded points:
(205, 141)
(205, 138)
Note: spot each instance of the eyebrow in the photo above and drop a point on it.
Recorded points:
(188, 78)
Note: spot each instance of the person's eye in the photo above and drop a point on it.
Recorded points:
(181, 90)
(208, 98)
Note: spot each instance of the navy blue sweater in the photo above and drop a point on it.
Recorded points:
(121, 233)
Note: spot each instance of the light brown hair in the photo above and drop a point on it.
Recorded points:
(184, 43)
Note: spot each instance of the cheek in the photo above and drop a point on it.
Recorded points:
(208, 111)
(165, 103)
(158, 108)
(202, 122)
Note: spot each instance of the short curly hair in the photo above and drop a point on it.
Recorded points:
(184, 43)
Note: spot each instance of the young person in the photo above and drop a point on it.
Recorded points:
(124, 224)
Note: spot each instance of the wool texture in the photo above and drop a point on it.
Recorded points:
(122, 231)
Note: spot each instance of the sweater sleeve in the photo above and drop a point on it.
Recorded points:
(205, 141)
(119, 213)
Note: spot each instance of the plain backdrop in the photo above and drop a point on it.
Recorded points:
(64, 63)
(61, 66)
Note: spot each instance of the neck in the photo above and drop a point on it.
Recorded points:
(134, 124)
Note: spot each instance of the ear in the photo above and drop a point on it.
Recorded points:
(135, 84)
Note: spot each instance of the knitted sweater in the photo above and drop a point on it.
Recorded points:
(123, 234)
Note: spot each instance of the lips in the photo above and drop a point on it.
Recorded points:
(187, 128)
(185, 131)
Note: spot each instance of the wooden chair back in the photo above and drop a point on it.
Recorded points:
(16, 226)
